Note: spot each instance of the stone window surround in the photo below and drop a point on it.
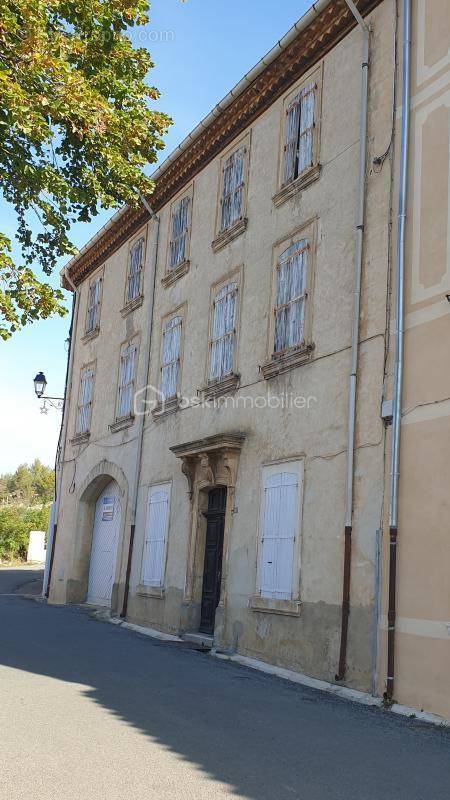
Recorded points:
(170, 406)
(92, 334)
(277, 363)
(268, 605)
(307, 177)
(222, 238)
(126, 421)
(136, 302)
(228, 383)
(172, 275)
(82, 438)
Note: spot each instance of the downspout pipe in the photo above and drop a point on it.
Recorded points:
(61, 447)
(398, 379)
(141, 418)
(360, 219)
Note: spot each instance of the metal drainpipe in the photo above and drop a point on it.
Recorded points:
(397, 406)
(62, 436)
(355, 342)
(138, 463)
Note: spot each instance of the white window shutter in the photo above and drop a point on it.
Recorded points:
(280, 525)
(306, 132)
(85, 401)
(291, 296)
(223, 336)
(233, 188)
(156, 535)
(299, 133)
(135, 269)
(180, 227)
(269, 537)
(93, 314)
(286, 535)
(126, 380)
(170, 359)
(291, 140)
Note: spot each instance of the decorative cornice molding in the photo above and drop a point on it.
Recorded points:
(220, 441)
(212, 461)
(305, 51)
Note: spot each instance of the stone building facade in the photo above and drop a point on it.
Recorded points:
(205, 459)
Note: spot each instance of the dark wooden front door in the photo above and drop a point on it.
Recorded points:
(212, 569)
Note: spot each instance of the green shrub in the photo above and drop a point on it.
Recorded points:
(16, 522)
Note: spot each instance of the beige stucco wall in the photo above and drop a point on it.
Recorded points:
(423, 587)
(318, 433)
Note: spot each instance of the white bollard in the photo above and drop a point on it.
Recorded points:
(36, 547)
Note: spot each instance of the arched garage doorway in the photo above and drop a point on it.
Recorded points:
(95, 515)
(105, 540)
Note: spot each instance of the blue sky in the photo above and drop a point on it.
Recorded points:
(201, 49)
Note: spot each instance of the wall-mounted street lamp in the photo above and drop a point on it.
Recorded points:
(40, 385)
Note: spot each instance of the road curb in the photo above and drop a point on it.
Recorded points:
(342, 692)
(152, 633)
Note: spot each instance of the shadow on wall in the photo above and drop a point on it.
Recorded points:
(265, 738)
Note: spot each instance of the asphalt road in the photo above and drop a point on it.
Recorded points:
(89, 711)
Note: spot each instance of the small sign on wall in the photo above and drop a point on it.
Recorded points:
(108, 509)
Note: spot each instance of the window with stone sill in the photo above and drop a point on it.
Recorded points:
(93, 305)
(127, 375)
(180, 222)
(291, 298)
(299, 134)
(233, 188)
(155, 536)
(135, 268)
(171, 358)
(223, 333)
(85, 396)
(280, 532)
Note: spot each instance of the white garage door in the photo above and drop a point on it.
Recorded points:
(105, 539)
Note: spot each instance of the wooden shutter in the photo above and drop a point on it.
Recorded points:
(291, 140)
(135, 269)
(299, 133)
(233, 189)
(170, 360)
(280, 529)
(223, 332)
(292, 274)
(85, 401)
(156, 535)
(306, 130)
(93, 315)
(126, 380)
(180, 227)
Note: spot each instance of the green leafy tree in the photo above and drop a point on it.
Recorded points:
(15, 526)
(43, 479)
(28, 485)
(76, 131)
